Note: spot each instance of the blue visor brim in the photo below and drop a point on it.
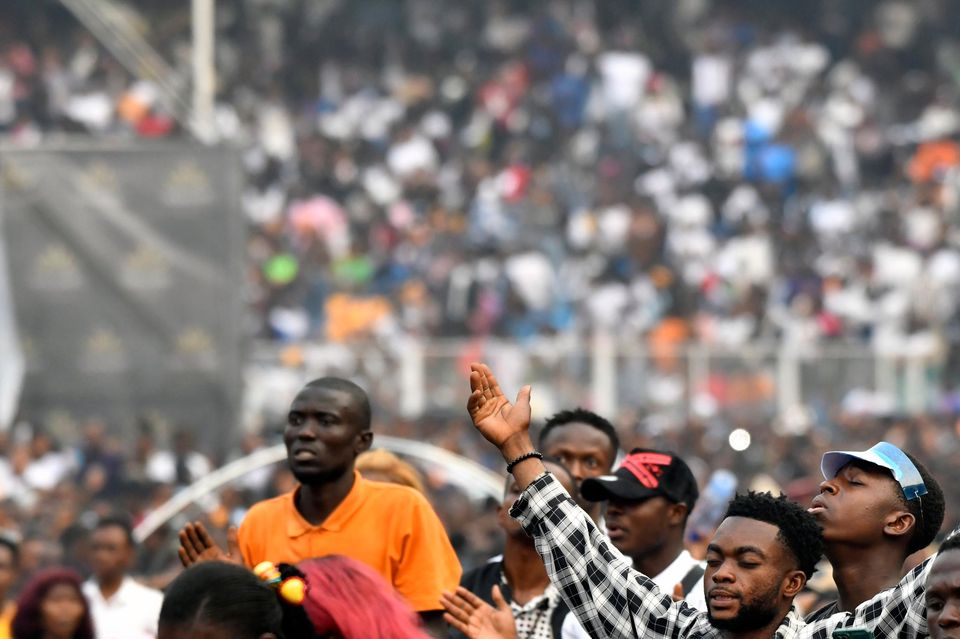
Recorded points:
(885, 455)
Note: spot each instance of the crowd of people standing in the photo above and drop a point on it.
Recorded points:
(592, 550)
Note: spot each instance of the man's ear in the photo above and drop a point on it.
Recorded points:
(900, 522)
(677, 514)
(794, 583)
(364, 441)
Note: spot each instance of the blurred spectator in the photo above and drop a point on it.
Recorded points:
(525, 171)
(74, 548)
(180, 466)
(52, 605)
(121, 607)
(48, 465)
(256, 481)
(100, 463)
(382, 465)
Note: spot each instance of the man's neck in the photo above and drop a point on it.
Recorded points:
(860, 573)
(653, 563)
(524, 570)
(110, 586)
(760, 633)
(316, 501)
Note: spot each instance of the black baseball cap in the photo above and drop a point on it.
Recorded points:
(645, 473)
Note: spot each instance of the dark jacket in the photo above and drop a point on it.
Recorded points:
(480, 581)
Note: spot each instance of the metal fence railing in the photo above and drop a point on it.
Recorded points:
(762, 381)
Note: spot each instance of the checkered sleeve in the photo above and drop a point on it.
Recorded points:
(896, 613)
(598, 584)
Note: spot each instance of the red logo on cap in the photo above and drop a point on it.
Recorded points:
(647, 467)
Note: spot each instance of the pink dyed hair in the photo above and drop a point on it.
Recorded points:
(349, 598)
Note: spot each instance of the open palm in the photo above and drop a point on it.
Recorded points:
(197, 546)
(476, 618)
(492, 413)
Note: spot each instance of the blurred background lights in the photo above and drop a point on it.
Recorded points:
(739, 440)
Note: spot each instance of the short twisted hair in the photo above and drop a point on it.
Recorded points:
(799, 531)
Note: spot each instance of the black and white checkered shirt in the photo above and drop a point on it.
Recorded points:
(613, 601)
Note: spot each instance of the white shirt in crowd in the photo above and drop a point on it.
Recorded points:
(666, 580)
(131, 613)
(162, 466)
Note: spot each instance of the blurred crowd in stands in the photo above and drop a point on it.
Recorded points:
(716, 171)
(711, 171)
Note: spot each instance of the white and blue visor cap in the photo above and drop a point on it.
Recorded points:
(885, 455)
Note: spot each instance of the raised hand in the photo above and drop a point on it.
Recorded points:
(499, 421)
(197, 546)
(476, 618)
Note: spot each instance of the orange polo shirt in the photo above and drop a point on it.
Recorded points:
(9, 611)
(393, 529)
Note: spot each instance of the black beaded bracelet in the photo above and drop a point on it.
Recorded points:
(523, 457)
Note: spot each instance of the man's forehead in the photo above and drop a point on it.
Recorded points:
(867, 467)
(577, 434)
(737, 532)
(320, 396)
(945, 571)
(108, 531)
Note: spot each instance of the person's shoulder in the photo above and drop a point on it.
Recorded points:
(142, 591)
(268, 507)
(400, 505)
(89, 587)
(272, 504)
(393, 493)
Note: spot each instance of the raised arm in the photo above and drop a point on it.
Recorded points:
(505, 425)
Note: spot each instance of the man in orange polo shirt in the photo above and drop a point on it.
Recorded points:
(391, 528)
(9, 562)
